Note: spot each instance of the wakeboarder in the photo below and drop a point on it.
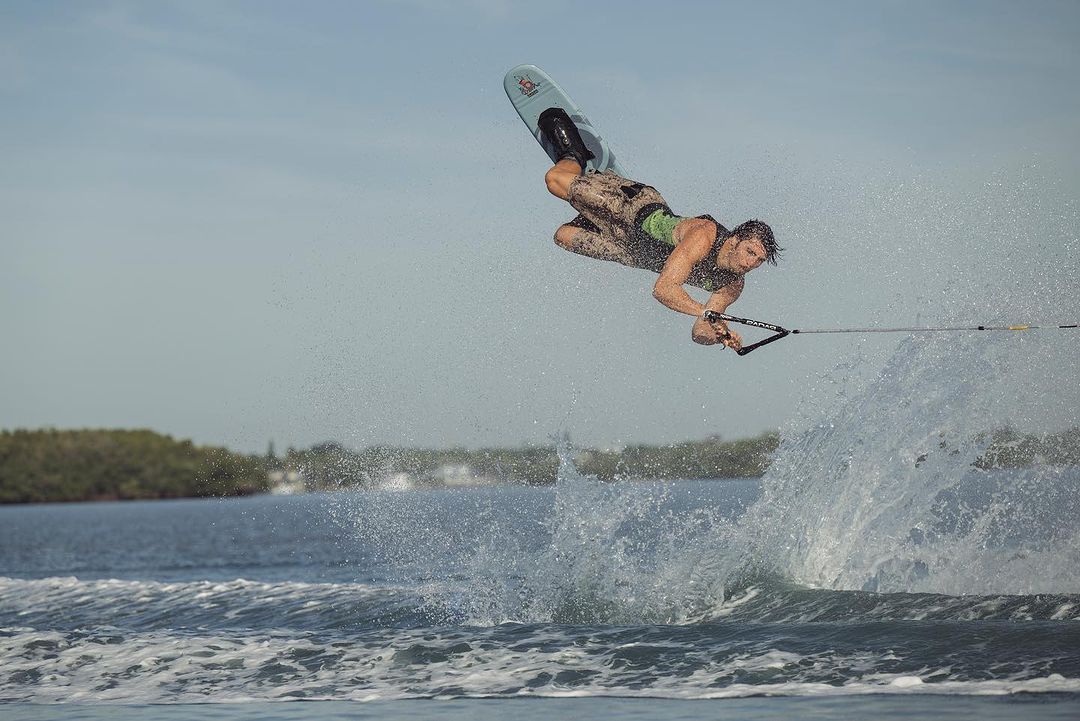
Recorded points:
(630, 223)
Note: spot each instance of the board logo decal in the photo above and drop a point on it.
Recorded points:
(527, 87)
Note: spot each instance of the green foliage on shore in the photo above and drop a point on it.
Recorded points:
(711, 458)
(82, 465)
(1006, 448)
(329, 466)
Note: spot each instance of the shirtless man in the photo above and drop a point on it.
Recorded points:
(630, 223)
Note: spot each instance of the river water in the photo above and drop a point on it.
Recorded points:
(590, 591)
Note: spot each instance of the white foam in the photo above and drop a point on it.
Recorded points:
(174, 668)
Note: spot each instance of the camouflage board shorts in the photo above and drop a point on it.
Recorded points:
(612, 207)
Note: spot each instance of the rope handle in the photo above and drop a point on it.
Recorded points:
(712, 316)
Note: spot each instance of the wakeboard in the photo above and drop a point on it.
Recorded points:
(532, 91)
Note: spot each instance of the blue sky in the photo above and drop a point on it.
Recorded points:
(244, 221)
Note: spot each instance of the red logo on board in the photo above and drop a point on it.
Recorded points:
(526, 85)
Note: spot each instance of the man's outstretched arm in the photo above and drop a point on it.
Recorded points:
(711, 333)
(694, 246)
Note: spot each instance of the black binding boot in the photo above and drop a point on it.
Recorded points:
(560, 131)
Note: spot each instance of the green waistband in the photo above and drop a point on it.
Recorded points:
(660, 225)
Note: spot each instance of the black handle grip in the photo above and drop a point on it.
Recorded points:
(748, 348)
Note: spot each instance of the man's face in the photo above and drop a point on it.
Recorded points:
(749, 254)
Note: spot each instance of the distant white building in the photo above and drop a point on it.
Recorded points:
(399, 481)
(286, 483)
(459, 475)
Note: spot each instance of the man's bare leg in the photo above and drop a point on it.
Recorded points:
(592, 245)
(572, 238)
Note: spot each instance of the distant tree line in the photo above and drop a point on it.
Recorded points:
(710, 458)
(87, 465)
(1007, 448)
(329, 465)
(78, 465)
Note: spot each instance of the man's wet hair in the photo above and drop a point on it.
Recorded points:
(761, 231)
